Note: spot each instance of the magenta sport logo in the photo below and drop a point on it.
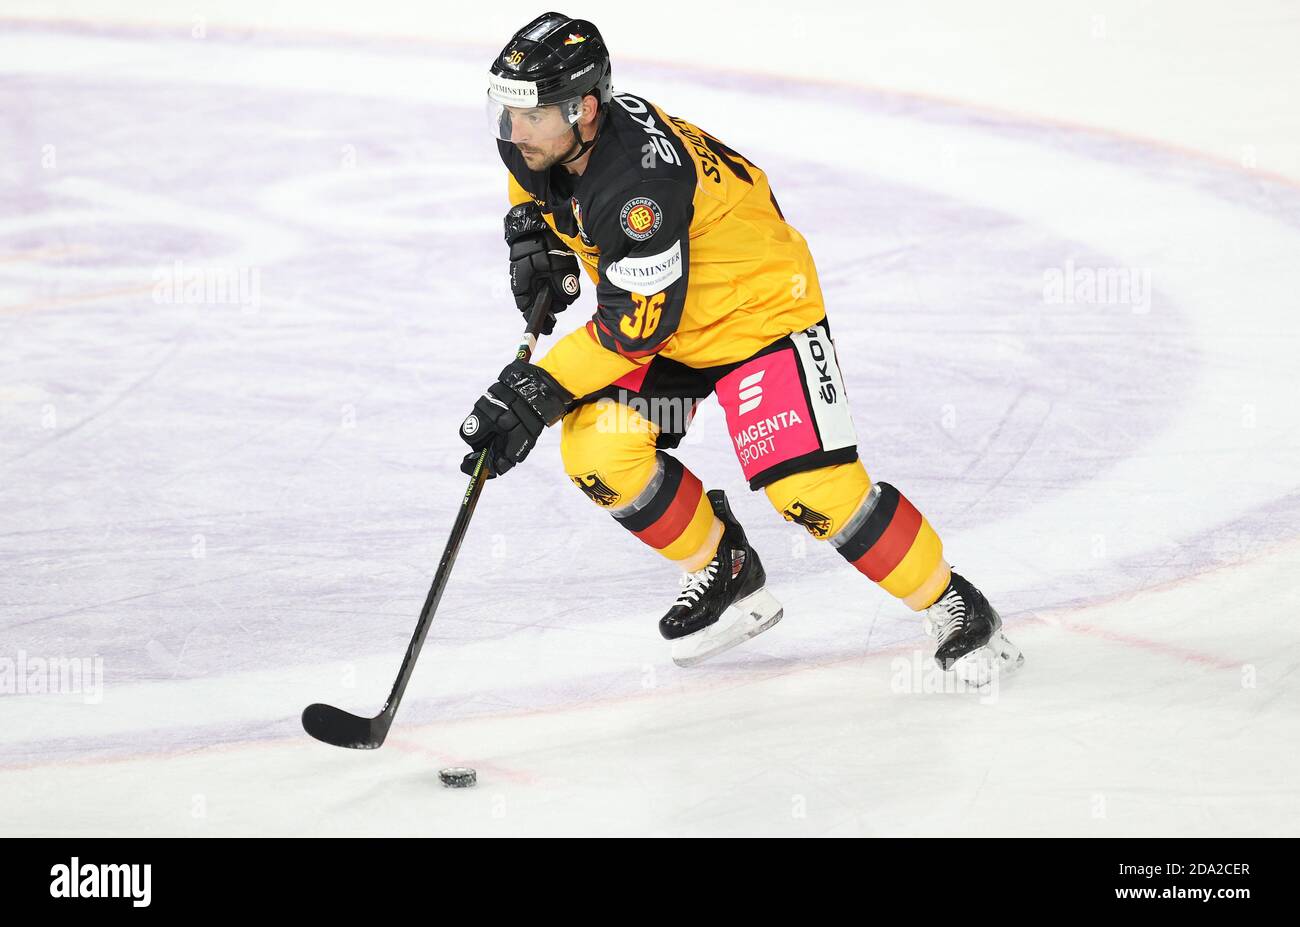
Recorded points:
(750, 392)
(767, 412)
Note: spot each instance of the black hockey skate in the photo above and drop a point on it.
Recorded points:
(723, 604)
(968, 631)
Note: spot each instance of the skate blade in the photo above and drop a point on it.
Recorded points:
(746, 618)
(995, 659)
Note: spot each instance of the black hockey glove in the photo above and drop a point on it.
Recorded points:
(508, 418)
(539, 259)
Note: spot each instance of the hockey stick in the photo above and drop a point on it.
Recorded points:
(343, 729)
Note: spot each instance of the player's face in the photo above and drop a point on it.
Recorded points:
(541, 134)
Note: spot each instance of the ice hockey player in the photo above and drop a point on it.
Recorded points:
(702, 288)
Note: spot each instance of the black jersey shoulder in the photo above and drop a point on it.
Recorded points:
(637, 156)
(635, 150)
(640, 145)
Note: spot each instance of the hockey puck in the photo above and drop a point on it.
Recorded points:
(458, 777)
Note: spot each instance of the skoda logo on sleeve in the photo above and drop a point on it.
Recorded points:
(641, 218)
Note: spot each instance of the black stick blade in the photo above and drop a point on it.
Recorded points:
(342, 729)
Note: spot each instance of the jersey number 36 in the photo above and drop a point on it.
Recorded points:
(642, 323)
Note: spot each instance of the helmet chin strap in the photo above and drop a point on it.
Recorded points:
(583, 147)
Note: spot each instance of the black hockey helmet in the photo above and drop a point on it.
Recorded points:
(555, 59)
(552, 61)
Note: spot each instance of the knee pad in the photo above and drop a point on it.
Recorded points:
(609, 453)
(821, 500)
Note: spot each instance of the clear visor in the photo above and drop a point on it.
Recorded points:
(531, 124)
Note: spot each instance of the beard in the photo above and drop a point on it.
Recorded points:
(538, 160)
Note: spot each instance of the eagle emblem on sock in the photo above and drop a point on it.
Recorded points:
(818, 525)
(597, 490)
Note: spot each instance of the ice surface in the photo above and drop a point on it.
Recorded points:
(237, 505)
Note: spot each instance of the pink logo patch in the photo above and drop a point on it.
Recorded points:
(767, 415)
